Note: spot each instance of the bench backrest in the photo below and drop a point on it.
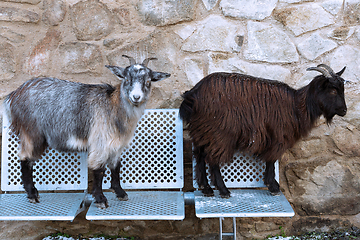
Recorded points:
(53, 171)
(154, 159)
(244, 172)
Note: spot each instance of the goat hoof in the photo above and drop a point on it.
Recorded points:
(208, 192)
(102, 205)
(34, 200)
(125, 198)
(275, 193)
(227, 195)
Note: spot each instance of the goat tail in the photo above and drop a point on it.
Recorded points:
(186, 108)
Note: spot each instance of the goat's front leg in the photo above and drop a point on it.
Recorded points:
(219, 182)
(28, 182)
(269, 179)
(100, 199)
(115, 183)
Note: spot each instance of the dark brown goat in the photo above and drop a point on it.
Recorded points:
(227, 112)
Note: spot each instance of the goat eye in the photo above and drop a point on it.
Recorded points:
(333, 92)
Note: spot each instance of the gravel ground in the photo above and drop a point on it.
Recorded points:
(350, 234)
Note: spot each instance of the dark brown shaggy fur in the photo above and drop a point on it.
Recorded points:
(227, 112)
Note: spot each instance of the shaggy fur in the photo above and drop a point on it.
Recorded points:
(227, 112)
(69, 116)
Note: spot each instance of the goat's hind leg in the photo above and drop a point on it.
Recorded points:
(100, 199)
(219, 182)
(201, 172)
(115, 183)
(27, 179)
(269, 179)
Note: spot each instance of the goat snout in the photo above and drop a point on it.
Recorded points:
(342, 112)
(136, 98)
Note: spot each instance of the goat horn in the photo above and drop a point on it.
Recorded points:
(132, 60)
(322, 70)
(146, 61)
(332, 73)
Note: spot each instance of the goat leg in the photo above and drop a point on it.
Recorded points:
(201, 172)
(28, 182)
(115, 183)
(269, 179)
(219, 182)
(100, 199)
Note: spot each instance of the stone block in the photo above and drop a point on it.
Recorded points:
(77, 57)
(7, 61)
(315, 45)
(34, 2)
(311, 16)
(162, 13)
(332, 6)
(11, 36)
(352, 12)
(324, 186)
(342, 33)
(38, 63)
(54, 12)
(248, 9)
(347, 140)
(349, 56)
(267, 43)
(219, 62)
(214, 34)
(91, 20)
(12, 14)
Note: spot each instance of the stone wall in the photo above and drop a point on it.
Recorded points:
(277, 39)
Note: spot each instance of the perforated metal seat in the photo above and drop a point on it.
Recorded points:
(244, 178)
(152, 172)
(55, 171)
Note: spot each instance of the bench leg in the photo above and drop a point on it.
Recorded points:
(233, 234)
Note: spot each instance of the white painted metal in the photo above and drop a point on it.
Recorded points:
(152, 165)
(142, 205)
(243, 172)
(154, 159)
(54, 171)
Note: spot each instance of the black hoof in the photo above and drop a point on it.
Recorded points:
(101, 201)
(208, 192)
(120, 194)
(102, 205)
(33, 195)
(225, 195)
(274, 189)
(275, 193)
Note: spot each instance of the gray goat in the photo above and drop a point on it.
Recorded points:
(70, 116)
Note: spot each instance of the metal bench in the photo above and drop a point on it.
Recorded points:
(244, 178)
(151, 172)
(54, 173)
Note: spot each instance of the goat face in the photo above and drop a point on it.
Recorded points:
(330, 93)
(136, 81)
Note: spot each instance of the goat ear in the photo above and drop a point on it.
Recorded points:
(158, 76)
(118, 71)
(341, 72)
